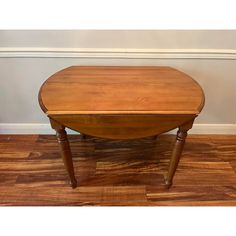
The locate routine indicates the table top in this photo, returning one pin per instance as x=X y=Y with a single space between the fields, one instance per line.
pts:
x=120 y=90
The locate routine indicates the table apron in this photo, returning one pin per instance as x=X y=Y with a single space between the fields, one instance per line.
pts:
x=122 y=126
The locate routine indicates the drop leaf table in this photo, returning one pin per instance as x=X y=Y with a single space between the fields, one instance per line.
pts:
x=121 y=102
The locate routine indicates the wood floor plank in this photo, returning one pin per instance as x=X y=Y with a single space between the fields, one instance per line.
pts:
x=44 y=195
x=116 y=172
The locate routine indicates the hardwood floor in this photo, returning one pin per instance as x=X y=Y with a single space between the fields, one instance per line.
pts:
x=117 y=173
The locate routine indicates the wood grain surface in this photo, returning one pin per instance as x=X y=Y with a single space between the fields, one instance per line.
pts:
x=120 y=90
x=122 y=126
x=117 y=173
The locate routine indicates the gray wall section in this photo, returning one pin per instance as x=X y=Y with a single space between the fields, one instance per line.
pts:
x=21 y=78
x=120 y=38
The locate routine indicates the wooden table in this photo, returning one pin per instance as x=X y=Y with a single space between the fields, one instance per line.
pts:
x=121 y=103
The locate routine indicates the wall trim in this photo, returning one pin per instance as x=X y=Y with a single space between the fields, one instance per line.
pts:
x=36 y=128
x=125 y=53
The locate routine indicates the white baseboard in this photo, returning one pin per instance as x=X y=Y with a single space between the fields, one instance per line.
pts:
x=213 y=129
x=36 y=128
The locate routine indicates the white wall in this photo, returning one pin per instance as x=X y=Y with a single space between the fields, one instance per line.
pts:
x=155 y=39
x=27 y=58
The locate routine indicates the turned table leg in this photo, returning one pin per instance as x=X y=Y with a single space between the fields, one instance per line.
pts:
x=65 y=152
x=176 y=153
